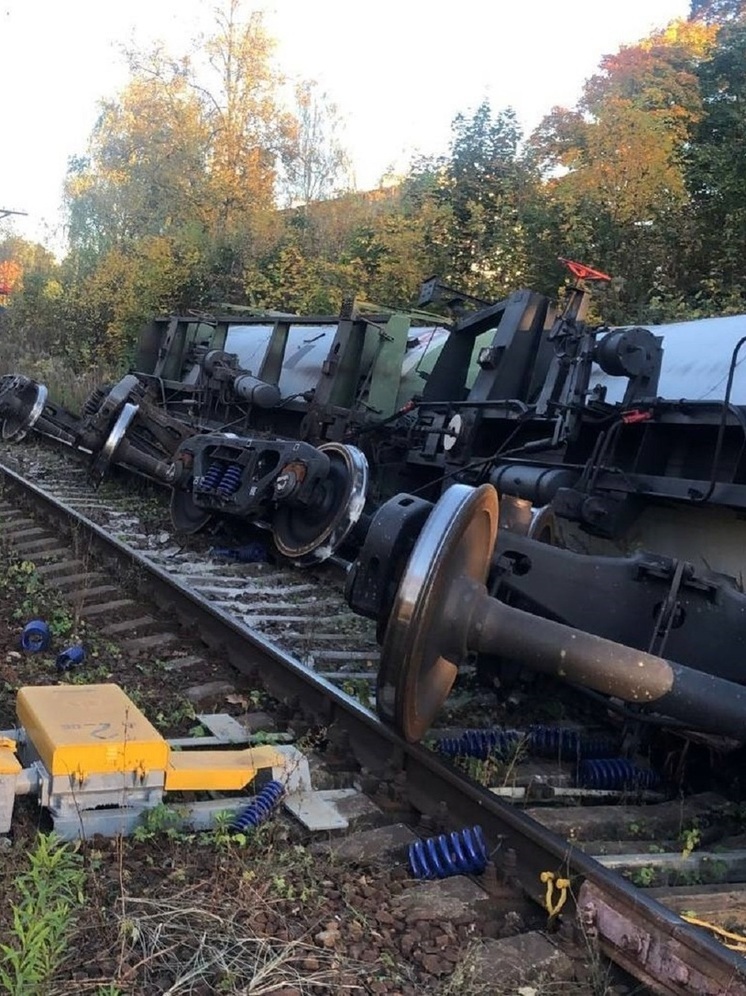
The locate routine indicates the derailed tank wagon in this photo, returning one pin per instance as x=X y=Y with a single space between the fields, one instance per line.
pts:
x=248 y=416
x=619 y=456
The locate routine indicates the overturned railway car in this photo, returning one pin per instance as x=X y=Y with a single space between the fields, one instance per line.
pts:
x=619 y=457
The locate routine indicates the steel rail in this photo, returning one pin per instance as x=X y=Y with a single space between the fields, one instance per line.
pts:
x=654 y=943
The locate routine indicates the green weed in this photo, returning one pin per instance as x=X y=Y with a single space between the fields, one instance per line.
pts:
x=644 y=877
x=691 y=839
x=161 y=820
x=43 y=916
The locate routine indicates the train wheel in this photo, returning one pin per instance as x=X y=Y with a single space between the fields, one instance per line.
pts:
x=187 y=518
x=544 y=527
x=308 y=535
x=106 y=454
x=22 y=401
x=415 y=677
x=518 y=515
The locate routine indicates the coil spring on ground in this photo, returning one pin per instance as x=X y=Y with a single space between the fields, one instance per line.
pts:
x=479 y=743
x=231 y=480
x=213 y=476
x=616 y=773
x=542 y=740
x=260 y=808
x=463 y=852
x=556 y=740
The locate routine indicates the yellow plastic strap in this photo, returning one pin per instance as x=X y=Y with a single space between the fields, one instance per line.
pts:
x=738 y=941
x=563 y=884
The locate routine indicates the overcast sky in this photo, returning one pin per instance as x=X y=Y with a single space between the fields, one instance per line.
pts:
x=399 y=70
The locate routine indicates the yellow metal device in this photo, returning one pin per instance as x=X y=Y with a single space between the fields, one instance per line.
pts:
x=89 y=729
x=9 y=763
x=218 y=770
x=95 y=730
x=97 y=765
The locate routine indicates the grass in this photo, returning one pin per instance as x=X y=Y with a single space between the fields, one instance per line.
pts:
x=21 y=586
x=46 y=896
x=67 y=385
x=195 y=947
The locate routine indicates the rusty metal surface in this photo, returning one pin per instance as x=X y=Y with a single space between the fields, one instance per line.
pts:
x=666 y=960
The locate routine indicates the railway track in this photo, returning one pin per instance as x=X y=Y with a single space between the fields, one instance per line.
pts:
x=300 y=637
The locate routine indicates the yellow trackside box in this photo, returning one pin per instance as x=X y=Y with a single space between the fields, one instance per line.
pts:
x=89 y=730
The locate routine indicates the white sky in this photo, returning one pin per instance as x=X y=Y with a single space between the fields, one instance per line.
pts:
x=399 y=71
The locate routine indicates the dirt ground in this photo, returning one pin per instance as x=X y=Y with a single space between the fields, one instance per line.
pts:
x=171 y=912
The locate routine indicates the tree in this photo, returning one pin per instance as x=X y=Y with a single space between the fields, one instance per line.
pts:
x=144 y=173
x=657 y=75
x=716 y=165
x=241 y=106
x=315 y=162
x=486 y=186
x=34 y=293
x=716 y=11
x=188 y=141
x=614 y=167
x=178 y=178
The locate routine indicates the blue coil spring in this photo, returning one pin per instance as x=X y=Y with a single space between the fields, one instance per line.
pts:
x=550 y=741
x=463 y=852
x=35 y=636
x=547 y=741
x=231 y=480
x=616 y=773
x=553 y=740
x=479 y=743
x=598 y=746
x=212 y=478
x=260 y=808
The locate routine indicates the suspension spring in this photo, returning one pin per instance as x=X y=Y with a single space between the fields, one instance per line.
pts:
x=479 y=743
x=551 y=741
x=231 y=480
x=544 y=741
x=260 y=808
x=616 y=773
x=463 y=852
x=212 y=478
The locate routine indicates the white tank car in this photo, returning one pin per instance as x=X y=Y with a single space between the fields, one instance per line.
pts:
x=308 y=346
x=696 y=362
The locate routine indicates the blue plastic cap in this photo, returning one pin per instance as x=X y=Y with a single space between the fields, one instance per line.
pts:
x=35 y=636
x=70 y=658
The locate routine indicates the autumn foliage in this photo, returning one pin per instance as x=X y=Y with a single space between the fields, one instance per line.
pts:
x=10 y=277
x=202 y=184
